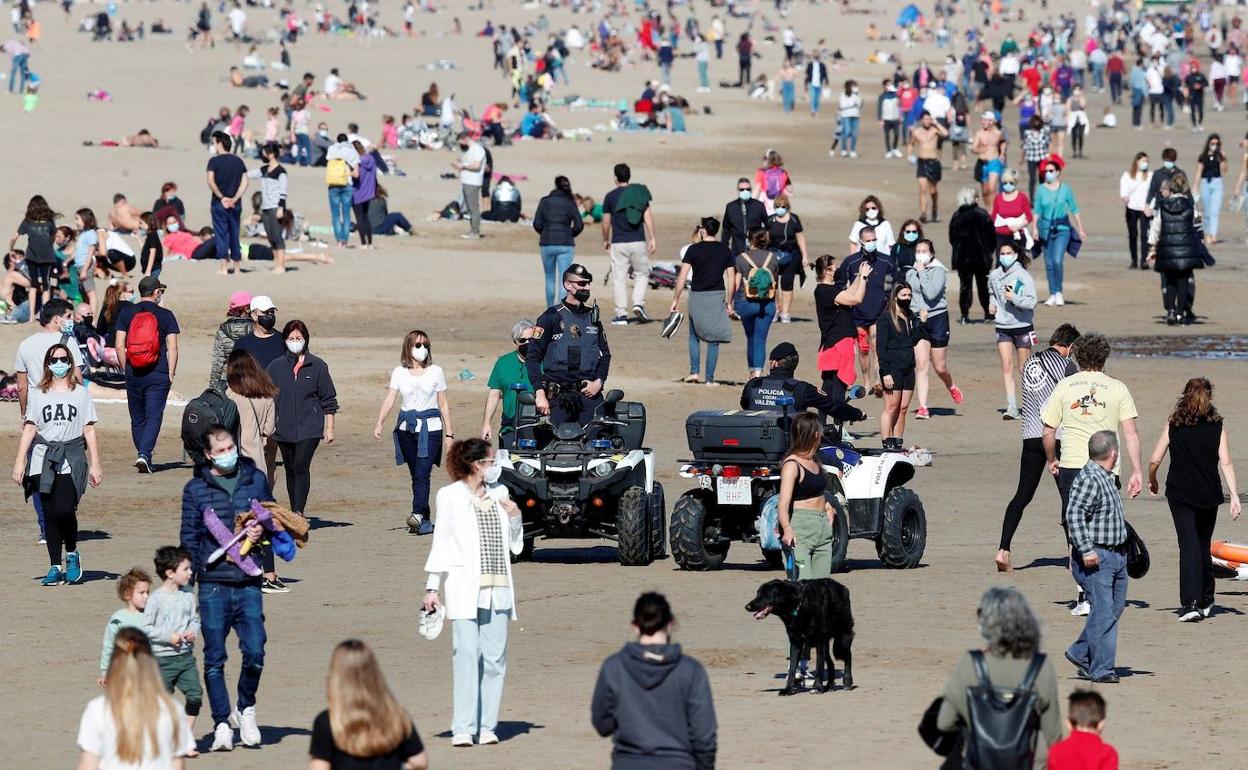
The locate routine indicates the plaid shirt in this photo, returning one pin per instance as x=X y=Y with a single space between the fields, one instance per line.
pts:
x=1094 y=510
x=1035 y=145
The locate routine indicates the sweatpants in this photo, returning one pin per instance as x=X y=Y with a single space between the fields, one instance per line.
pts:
x=1194 y=528
x=178 y=672
x=297 y=460
x=60 y=514
x=624 y=256
x=472 y=205
x=1030 y=470
x=968 y=282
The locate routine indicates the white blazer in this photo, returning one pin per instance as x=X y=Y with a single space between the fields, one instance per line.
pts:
x=454 y=561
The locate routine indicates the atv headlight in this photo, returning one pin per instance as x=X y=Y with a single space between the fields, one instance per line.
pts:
x=526 y=470
x=602 y=470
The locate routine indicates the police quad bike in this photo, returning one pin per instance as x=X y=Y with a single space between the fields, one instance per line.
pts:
x=592 y=481
x=736 y=463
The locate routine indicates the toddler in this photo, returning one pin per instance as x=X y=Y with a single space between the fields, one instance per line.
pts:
x=132 y=588
x=171 y=621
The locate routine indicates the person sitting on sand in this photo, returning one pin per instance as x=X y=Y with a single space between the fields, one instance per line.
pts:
x=181 y=244
x=238 y=80
x=123 y=217
x=337 y=88
x=142 y=139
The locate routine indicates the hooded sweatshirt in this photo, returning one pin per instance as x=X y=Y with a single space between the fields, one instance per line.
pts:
x=657 y=705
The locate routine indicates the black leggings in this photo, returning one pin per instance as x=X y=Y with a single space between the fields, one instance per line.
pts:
x=60 y=514
x=1178 y=290
x=892 y=134
x=967 y=282
x=1076 y=139
x=297 y=459
x=1137 y=236
x=1194 y=527
x=1030 y=470
x=362 y=225
x=1197 y=102
x=833 y=386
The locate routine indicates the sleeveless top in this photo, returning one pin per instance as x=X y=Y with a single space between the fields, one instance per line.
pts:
x=1193 y=477
x=808 y=484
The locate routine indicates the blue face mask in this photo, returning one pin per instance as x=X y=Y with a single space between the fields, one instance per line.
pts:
x=1169 y=164
x=1008 y=260
x=869 y=246
x=745 y=195
x=781 y=211
x=1050 y=176
x=910 y=236
x=1007 y=187
x=227 y=461
x=59 y=368
x=68 y=327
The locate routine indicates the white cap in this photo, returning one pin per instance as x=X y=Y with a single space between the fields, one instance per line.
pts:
x=989 y=115
x=262 y=304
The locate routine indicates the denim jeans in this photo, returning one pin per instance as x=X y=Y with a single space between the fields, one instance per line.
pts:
x=665 y=74
x=303 y=149
x=340 y=212
x=1106 y=587
x=225 y=606
x=225 y=226
x=478 y=665
x=146 y=396
x=704 y=80
x=19 y=72
x=816 y=93
x=391 y=221
x=756 y=318
x=421 y=468
x=555 y=260
x=695 y=355
x=1054 y=257
x=788 y=96
x=1211 y=204
x=849 y=134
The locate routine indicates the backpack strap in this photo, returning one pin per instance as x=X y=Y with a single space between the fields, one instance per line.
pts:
x=1033 y=671
x=981 y=669
x=747 y=258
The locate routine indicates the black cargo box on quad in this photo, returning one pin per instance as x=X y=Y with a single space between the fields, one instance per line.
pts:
x=738 y=435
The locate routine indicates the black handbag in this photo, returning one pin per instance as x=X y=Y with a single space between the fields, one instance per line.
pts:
x=945 y=744
x=1137 y=554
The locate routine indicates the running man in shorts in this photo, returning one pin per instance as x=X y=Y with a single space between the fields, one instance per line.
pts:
x=989 y=147
x=925 y=145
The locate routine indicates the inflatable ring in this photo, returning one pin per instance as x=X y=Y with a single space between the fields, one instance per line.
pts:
x=1231 y=552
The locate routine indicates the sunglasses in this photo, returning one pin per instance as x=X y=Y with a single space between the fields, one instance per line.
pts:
x=59 y=359
x=911 y=232
x=579 y=283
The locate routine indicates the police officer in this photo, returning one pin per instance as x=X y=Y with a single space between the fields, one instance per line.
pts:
x=568 y=356
x=762 y=392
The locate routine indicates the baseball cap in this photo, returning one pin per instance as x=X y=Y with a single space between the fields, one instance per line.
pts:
x=782 y=351
x=262 y=304
x=989 y=115
x=239 y=299
x=149 y=285
x=576 y=270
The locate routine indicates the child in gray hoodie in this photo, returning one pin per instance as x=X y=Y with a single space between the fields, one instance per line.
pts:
x=171 y=621
x=654 y=702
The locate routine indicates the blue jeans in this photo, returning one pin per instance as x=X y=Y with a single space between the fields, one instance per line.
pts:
x=303 y=149
x=421 y=468
x=1211 y=204
x=392 y=220
x=704 y=80
x=849 y=134
x=756 y=318
x=20 y=69
x=478 y=666
x=340 y=212
x=1054 y=257
x=1106 y=587
x=223 y=606
x=788 y=96
x=816 y=93
x=146 y=396
x=225 y=226
x=556 y=260
x=665 y=74
x=695 y=355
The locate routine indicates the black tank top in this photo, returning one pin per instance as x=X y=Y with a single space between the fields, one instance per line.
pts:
x=808 y=484
x=1193 y=477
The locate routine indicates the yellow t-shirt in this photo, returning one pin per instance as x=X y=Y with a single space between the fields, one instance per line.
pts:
x=1082 y=404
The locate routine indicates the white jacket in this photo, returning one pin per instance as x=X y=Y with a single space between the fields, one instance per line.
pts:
x=1135 y=189
x=454 y=561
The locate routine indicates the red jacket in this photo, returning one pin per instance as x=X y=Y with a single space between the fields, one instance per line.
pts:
x=1082 y=751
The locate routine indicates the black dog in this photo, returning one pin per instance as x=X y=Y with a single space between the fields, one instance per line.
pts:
x=815 y=613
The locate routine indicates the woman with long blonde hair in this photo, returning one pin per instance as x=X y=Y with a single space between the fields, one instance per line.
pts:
x=135 y=723
x=364 y=720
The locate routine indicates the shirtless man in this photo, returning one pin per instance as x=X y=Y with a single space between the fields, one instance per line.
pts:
x=142 y=139
x=123 y=217
x=925 y=145
x=989 y=147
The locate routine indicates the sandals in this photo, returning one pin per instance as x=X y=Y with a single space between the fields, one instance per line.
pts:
x=692 y=379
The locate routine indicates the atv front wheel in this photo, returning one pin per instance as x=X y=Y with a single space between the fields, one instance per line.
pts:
x=903 y=535
x=697 y=545
x=633 y=533
x=658 y=523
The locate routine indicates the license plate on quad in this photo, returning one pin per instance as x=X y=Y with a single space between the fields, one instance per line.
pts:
x=733 y=491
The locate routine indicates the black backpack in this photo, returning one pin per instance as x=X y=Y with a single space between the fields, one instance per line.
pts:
x=1004 y=724
x=212 y=407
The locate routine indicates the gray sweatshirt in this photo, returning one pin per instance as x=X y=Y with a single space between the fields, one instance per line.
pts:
x=1020 y=312
x=167 y=613
x=928 y=286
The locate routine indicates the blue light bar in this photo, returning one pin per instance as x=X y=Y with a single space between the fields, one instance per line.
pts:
x=527 y=443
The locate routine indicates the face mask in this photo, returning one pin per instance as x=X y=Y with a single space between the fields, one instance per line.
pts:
x=1213 y=148
x=295 y=346
x=463 y=148
x=744 y=195
x=1050 y=176
x=267 y=322
x=854 y=90
x=873 y=213
x=910 y=237
x=869 y=246
x=1008 y=260
x=59 y=368
x=323 y=134
x=173 y=228
x=492 y=474
x=581 y=295
x=904 y=304
x=523 y=348
x=922 y=257
x=1143 y=165
x=171 y=197
x=1007 y=187
x=227 y=461
x=68 y=327
x=420 y=353
x=781 y=211
x=1167 y=164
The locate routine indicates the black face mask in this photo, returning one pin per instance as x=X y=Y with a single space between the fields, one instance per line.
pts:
x=904 y=304
x=267 y=322
x=581 y=295
x=523 y=349
x=463 y=148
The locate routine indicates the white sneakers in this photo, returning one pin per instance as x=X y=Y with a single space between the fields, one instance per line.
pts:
x=248 y=730
x=487 y=738
x=1055 y=299
x=464 y=740
x=1082 y=609
x=223 y=738
x=461 y=740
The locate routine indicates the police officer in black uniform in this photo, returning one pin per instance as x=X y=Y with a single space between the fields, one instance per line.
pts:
x=761 y=392
x=568 y=356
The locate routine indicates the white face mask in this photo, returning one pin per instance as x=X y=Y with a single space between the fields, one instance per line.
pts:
x=492 y=474
x=922 y=257
x=295 y=346
x=420 y=353
x=873 y=213
x=172 y=227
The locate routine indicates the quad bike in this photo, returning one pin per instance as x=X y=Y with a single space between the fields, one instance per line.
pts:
x=737 y=456
x=592 y=481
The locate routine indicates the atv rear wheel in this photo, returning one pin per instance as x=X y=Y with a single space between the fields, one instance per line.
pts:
x=658 y=523
x=840 y=534
x=633 y=533
x=697 y=544
x=903 y=534
x=526 y=552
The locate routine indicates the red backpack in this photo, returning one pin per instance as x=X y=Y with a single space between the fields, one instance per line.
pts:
x=143 y=340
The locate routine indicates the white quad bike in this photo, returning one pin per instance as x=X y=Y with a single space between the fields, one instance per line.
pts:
x=737 y=456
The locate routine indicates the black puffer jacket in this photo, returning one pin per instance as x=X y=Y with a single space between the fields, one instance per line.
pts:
x=973 y=240
x=1178 y=244
x=558 y=220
